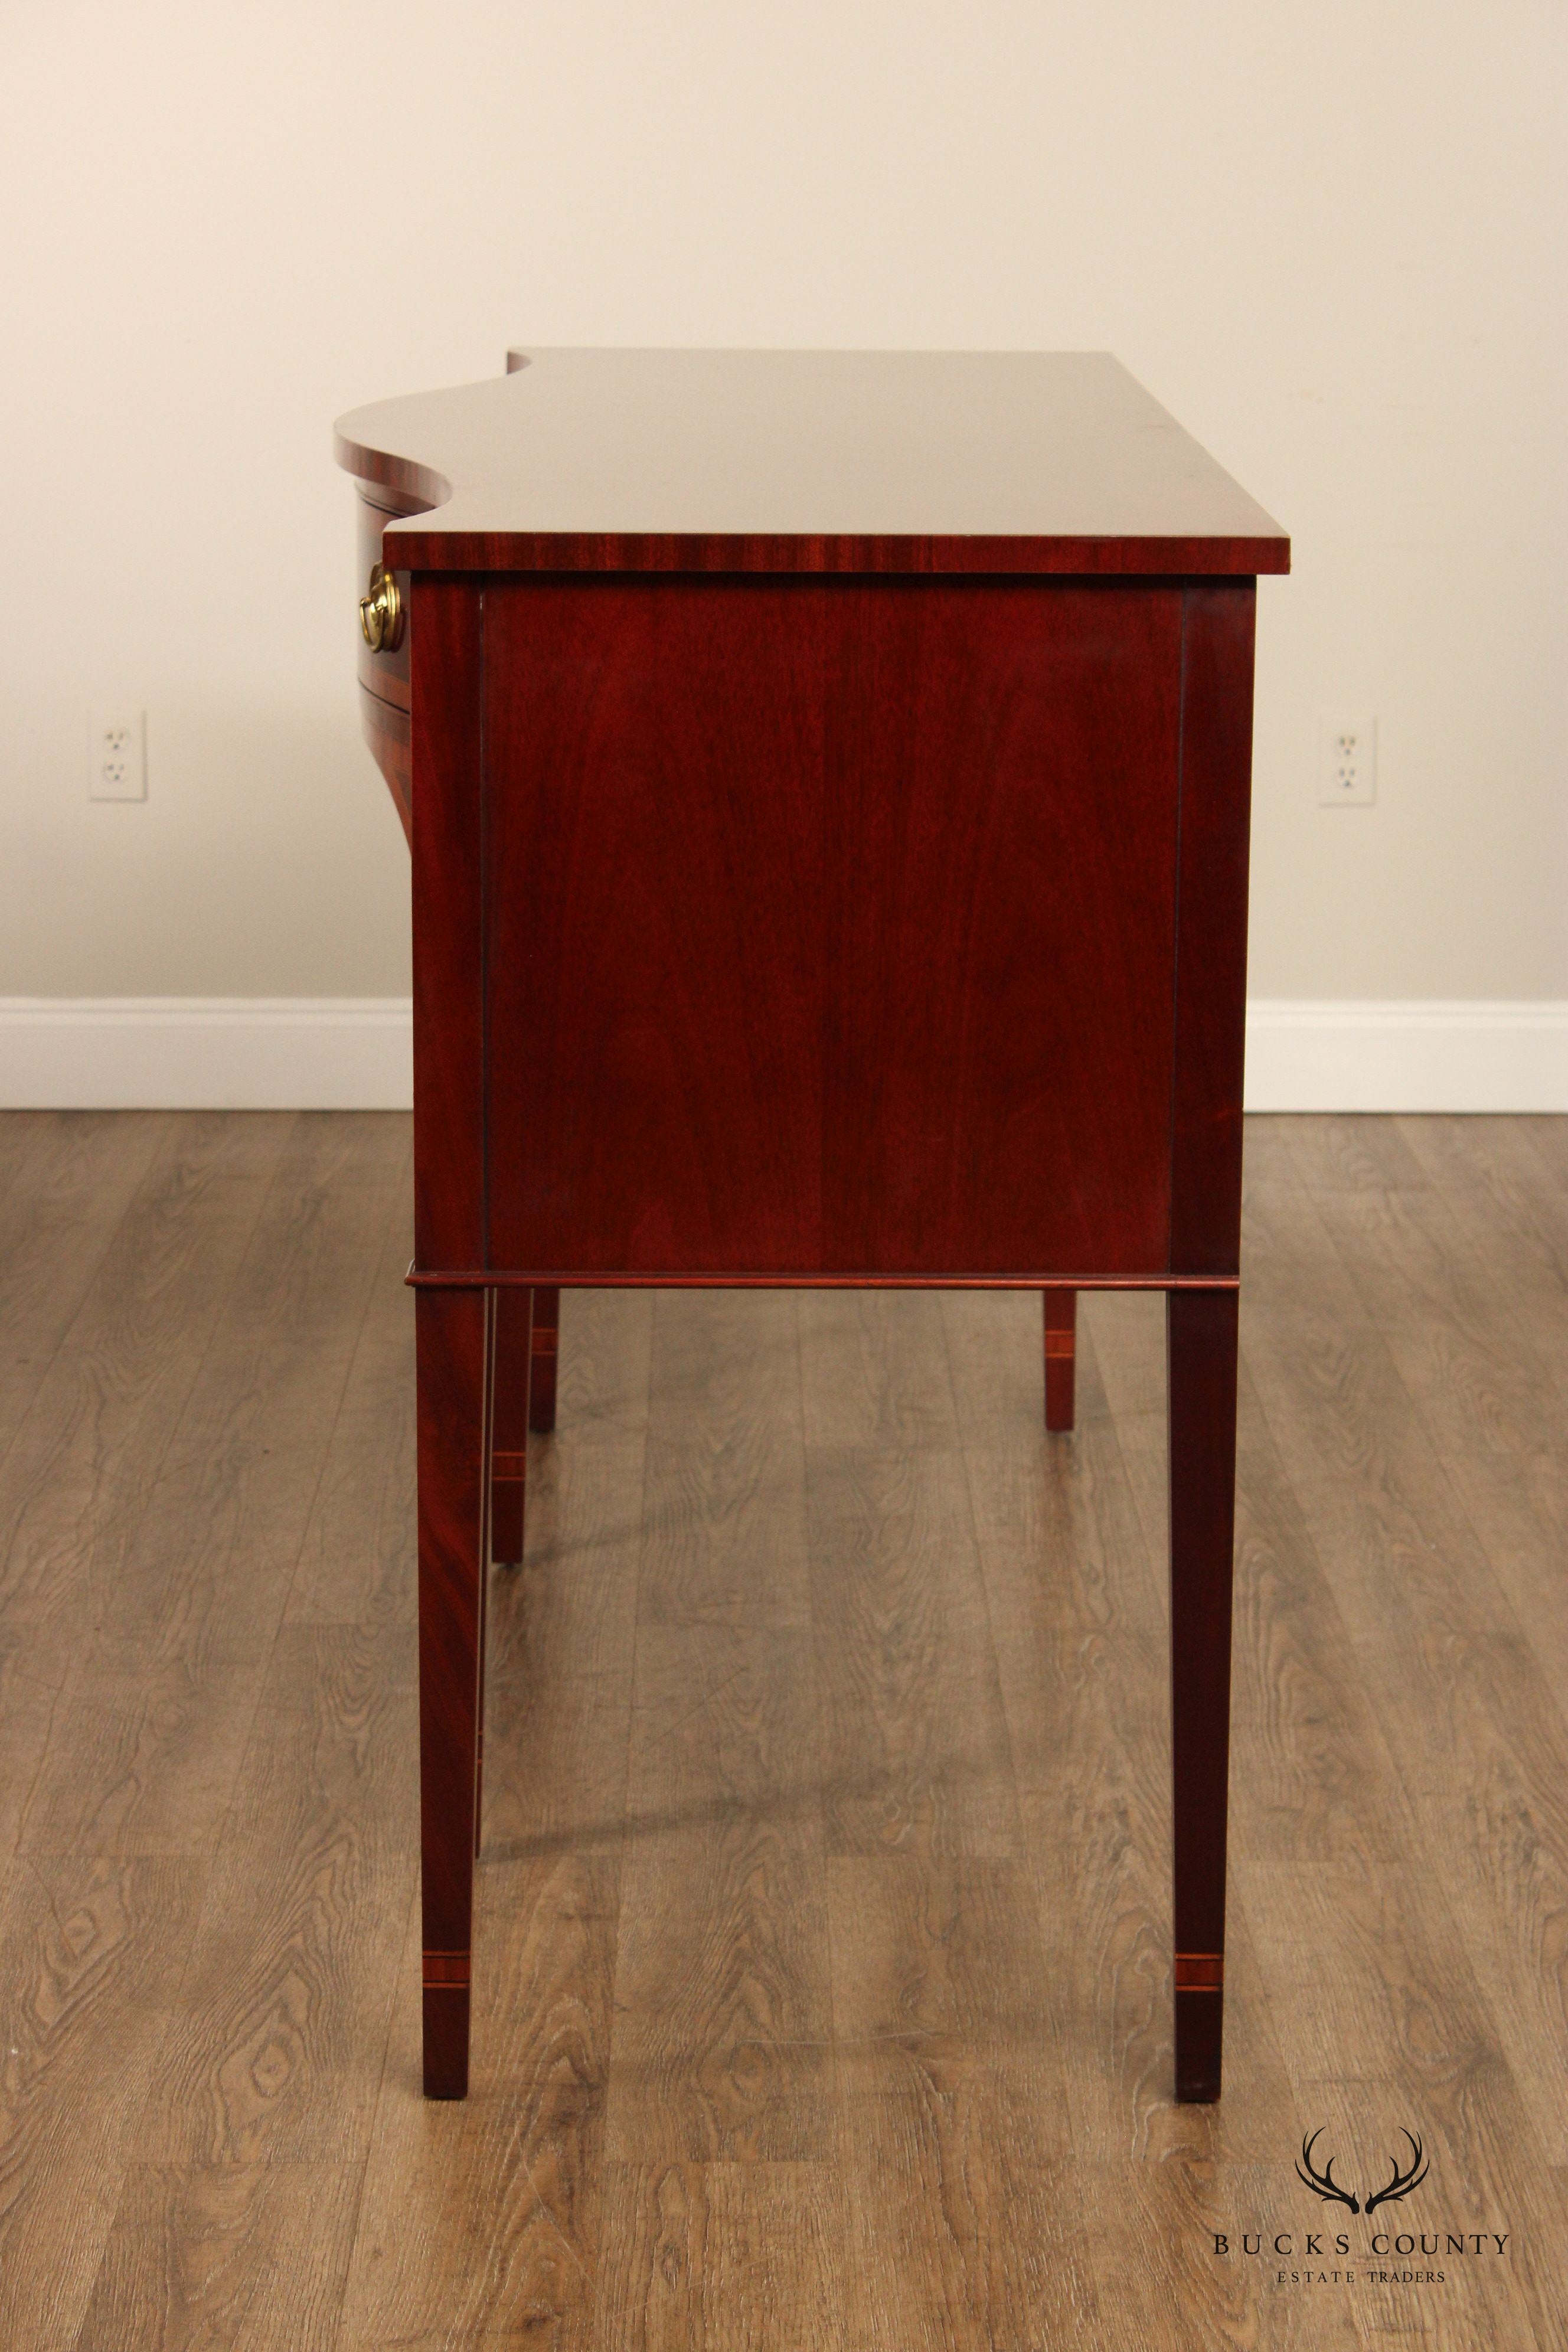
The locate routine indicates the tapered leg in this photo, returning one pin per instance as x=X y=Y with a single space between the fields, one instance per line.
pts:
x=546 y=1343
x=453 y=1339
x=508 y=1443
x=1201 y=1328
x=1061 y=1343
x=487 y=1553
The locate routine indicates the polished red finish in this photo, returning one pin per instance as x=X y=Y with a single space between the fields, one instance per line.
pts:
x=385 y=729
x=500 y=1277
x=802 y=1071
x=1211 y=962
x=545 y=1348
x=869 y=906
x=383 y=672
x=1061 y=1349
x=453 y=1340
x=1201 y=1327
x=448 y=997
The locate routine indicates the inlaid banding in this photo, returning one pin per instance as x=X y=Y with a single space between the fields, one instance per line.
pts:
x=446 y=1970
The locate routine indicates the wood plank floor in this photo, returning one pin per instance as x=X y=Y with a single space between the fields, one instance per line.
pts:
x=822 y=1968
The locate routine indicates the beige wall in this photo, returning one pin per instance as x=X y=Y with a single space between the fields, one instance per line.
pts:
x=1327 y=233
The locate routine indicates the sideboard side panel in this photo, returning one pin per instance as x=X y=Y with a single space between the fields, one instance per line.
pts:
x=831 y=927
x=446 y=630
x=654 y=877
x=1000 y=876
x=1211 y=926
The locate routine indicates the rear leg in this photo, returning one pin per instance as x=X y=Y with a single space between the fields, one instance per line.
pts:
x=1062 y=1345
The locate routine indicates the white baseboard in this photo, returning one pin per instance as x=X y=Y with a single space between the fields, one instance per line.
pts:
x=206 y=1052
x=354 y=1052
x=1428 y=1054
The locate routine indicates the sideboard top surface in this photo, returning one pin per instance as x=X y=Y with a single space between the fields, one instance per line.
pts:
x=1000 y=462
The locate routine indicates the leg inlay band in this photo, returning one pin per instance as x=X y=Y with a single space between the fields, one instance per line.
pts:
x=446 y=1971
x=1200 y=1972
x=511 y=1469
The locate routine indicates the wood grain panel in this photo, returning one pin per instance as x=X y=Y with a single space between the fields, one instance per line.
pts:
x=448 y=554
x=654 y=763
x=1004 y=760
x=388 y=733
x=689 y=786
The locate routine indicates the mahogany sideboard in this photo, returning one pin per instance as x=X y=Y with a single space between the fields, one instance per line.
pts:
x=828 y=780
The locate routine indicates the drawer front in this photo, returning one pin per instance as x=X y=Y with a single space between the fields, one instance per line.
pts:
x=385 y=673
x=830 y=926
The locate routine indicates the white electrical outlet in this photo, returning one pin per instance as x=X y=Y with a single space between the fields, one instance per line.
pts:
x=117 y=767
x=1347 y=763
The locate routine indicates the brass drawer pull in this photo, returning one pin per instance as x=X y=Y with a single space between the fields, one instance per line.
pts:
x=381 y=612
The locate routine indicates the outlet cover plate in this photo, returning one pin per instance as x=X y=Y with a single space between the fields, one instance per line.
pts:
x=117 y=755
x=1347 y=761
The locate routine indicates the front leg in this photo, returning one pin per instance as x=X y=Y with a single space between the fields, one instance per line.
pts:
x=453 y=1346
x=1201 y=1352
